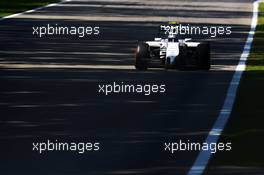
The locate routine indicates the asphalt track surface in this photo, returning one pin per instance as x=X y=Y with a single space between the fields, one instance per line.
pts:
x=49 y=87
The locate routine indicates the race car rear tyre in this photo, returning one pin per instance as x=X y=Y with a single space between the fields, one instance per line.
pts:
x=167 y=64
x=181 y=58
x=204 y=59
x=142 y=56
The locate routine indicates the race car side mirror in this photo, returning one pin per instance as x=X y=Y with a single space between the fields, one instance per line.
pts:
x=157 y=39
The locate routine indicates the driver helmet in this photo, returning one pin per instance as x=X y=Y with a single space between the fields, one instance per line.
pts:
x=171 y=36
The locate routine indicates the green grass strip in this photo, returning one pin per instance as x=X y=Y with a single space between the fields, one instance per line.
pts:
x=246 y=126
x=9 y=7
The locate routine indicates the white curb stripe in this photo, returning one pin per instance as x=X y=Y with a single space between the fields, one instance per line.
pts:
x=33 y=10
x=213 y=136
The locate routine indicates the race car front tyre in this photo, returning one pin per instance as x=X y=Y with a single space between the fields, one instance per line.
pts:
x=142 y=56
x=204 y=59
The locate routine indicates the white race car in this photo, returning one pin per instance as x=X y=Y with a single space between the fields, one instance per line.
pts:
x=173 y=52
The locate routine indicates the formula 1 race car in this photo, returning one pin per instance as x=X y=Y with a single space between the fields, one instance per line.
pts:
x=171 y=51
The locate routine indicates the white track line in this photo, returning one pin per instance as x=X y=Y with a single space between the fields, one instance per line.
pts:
x=33 y=10
x=213 y=136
